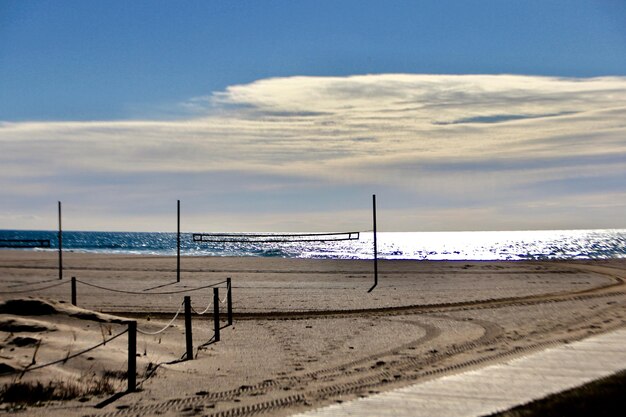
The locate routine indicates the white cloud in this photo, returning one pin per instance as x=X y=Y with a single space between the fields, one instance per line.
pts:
x=424 y=142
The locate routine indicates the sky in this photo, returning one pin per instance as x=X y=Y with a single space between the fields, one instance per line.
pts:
x=289 y=115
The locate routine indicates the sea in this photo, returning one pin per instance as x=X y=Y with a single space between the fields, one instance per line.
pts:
x=490 y=245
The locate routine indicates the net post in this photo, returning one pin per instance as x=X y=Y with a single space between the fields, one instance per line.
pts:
x=132 y=356
x=375 y=244
x=73 y=291
x=60 y=236
x=188 y=336
x=375 y=240
x=178 y=243
x=229 y=298
x=216 y=313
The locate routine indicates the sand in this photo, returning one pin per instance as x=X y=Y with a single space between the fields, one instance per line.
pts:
x=305 y=333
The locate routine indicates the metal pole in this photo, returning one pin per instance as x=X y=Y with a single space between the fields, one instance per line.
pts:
x=60 y=245
x=73 y=291
x=375 y=244
x=188 y=336
x=229 y=298
x=216 y=313
x=178 y=245
x=132 y=356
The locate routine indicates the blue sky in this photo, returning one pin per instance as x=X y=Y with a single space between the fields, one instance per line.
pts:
x=83 y=60
x=228 y=106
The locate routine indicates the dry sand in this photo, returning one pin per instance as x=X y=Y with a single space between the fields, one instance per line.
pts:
x=306 y=332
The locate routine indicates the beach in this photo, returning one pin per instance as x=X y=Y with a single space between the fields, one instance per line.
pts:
x=306 y=332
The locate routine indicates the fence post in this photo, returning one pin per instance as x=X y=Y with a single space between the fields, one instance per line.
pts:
x=216 y=313
x=73 y=291
x=188 y=336
x=132 y=356
x=229 y=298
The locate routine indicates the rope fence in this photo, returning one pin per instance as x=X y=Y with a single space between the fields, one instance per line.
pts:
x=166 y=326
x=132 y=329
x=26 y=284
x=132 y=357
x=72 y=356
x=74 y=281
x=34 y=289
x=150 y=293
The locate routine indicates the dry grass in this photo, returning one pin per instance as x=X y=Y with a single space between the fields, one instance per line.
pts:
x=36 y=392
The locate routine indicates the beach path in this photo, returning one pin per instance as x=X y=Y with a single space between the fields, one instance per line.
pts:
x=497 y=387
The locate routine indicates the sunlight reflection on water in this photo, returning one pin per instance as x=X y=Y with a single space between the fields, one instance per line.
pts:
x=515 y=245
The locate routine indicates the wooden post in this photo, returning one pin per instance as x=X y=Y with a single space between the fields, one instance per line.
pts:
x=188 y=336
x=229 y=298
x=375 y=244
x=178 y=244
x=60 y=245
x=73 y=291
x=132 y=356
x=216 y=313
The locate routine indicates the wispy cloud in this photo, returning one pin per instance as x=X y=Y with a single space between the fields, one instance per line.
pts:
x=504 y=147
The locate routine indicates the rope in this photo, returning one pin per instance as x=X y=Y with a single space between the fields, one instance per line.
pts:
x=82 y=352
x=228 y=289
x=166 y=326
x=26 y=284
x=35 y=289
x=150 y=293
x=205 y=310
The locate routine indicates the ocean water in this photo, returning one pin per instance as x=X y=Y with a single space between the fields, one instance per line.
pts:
x=514 y=245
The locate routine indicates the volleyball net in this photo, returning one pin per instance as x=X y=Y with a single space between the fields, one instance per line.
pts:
x=24 y=243
x=274 y=237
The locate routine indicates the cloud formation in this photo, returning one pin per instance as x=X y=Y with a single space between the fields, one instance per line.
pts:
x=514 y=151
